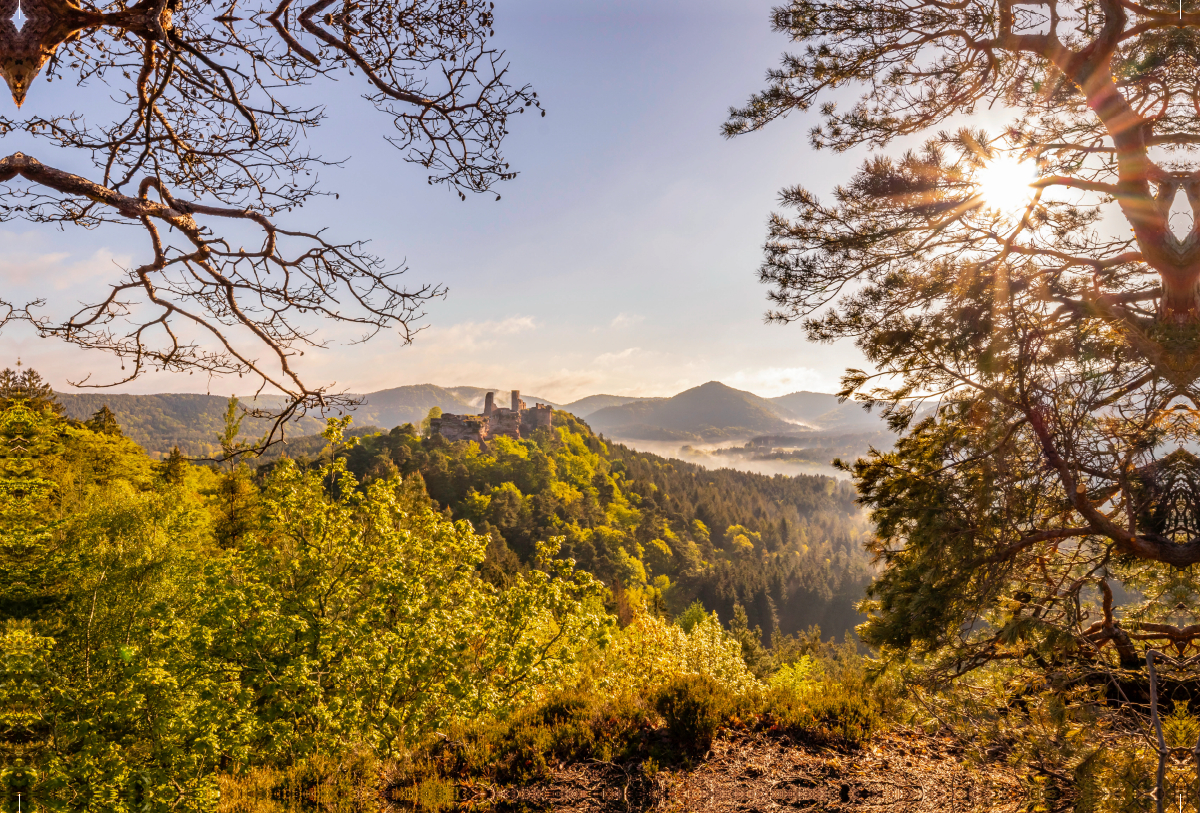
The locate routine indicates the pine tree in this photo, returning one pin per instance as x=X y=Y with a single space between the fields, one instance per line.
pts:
x=104 y=422
x=1036 y=341
x=174 y=468
x=28 y=387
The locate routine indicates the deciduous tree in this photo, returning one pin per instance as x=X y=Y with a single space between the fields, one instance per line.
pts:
x=207 y=154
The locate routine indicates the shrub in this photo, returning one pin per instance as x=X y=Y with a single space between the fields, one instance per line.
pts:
x=799 y=675
x=650 y=653
x=694 y=708
x=824 y=713
x=568 y=727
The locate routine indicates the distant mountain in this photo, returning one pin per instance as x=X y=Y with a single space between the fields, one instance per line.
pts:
x=192 y=421
x=400 y=405
x=158 y=422
x=805 y=406
x=593 y=403
x=712 y=411
x=822 y=411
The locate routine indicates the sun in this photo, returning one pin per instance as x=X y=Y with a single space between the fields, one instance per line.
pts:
x=1005 y=182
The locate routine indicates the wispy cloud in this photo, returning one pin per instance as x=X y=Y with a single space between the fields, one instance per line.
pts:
x=469 y=336
x=608 y=359
x=626 y=320
x=567 y=385
x=33 y=259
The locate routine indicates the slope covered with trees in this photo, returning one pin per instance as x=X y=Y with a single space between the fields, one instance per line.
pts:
x=787 y=549
x=163 y=623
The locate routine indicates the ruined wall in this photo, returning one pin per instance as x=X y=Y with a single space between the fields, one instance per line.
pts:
x=516 y=423
x=505 y=422
x=537 y=418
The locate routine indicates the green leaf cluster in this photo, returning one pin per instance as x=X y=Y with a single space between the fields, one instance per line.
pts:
x=140 y=654
x=660 y=533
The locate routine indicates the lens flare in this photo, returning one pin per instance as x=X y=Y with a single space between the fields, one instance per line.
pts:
x=1005 y=182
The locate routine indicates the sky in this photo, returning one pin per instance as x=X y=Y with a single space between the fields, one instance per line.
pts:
x=621 y=260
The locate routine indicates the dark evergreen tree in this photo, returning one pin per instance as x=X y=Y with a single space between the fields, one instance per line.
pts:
x=28 y=387
x=104 y=422
x=174 y=468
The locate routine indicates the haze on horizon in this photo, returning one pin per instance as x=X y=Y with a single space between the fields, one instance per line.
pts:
x=622 y=260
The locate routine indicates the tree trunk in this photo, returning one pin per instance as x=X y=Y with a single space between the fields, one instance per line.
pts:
x=1180 y=295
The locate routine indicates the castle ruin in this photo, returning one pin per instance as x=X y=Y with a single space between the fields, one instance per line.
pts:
x=517 y=422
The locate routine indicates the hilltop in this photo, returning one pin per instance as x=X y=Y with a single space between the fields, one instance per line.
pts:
x=192 y=421
x=712 y=411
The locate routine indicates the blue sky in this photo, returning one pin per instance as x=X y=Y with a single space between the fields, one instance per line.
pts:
x=621 y=260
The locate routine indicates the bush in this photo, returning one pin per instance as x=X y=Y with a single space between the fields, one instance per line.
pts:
x=651 y=653
x=824 y=713
x=568 y=727
x=798 y=675
x=694 y=707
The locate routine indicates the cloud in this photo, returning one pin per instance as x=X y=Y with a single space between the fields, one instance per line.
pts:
x=33 y=259
x=513 y=324
x=626 y=319
x=566 y=385
x=609 y=359
x=471 y=336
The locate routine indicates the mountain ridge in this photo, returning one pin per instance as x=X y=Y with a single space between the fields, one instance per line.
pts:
x=710 y=412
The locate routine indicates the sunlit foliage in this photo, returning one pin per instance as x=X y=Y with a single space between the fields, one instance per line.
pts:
x=139 y=657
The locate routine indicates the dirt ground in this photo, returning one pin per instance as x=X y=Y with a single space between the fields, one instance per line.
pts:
x=905 y=773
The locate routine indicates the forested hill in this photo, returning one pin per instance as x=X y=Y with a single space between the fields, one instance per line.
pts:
x=711 y=411
x=193 y=421
x=190 y=421
x=788 y=549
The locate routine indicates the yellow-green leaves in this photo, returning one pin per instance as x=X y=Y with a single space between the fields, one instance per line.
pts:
x=360 y=619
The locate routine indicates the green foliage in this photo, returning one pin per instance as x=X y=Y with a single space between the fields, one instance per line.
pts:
x=362 y=619
x=27 y=387
x=631 y=518
x=566 y=727
x=1181 y=729
x=235 y=507
x=649 y=653
x=427 y=424
x=163 y=622
x=797 y=676
x=144 y=645
x=847 y=717
x=665 y=723
x=751 y=642
x=693 y=707
x=104 y=422
x=693 y=615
